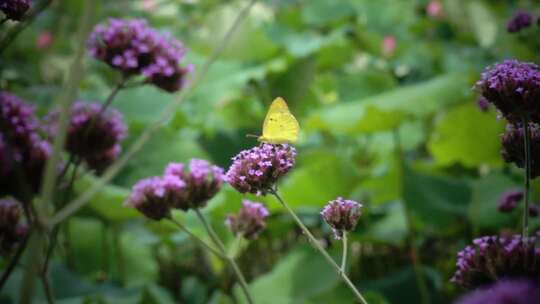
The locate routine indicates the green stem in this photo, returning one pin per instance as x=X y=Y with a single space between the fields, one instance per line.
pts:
x=527 y=146
x=344 y=256
x=215 y=238
x=47 y=289
x=197 y=239
x=319 y=247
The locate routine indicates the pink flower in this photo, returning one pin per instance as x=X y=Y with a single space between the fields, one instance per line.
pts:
x=434 y=9
x=44 y=40
x=389 y=46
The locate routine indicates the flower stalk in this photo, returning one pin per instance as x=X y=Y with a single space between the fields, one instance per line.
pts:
x=217 y=241
x=318 y=246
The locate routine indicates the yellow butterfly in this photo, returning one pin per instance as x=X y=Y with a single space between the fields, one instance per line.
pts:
x=280 y=126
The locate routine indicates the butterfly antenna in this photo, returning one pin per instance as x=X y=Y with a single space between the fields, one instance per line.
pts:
x=252 y=135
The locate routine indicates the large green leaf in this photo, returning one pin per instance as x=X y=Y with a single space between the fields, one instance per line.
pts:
x=419 y=100
x=468 y=137
x=319 y=176
x=293 y=279
x=483 y=211
x=108 y=203
x=437 y=201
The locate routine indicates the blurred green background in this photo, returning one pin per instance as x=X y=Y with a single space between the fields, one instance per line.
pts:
x=382 y=91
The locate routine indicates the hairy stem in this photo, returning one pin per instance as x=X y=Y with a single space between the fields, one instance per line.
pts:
x=147 y=134
x=197 y=239
x=344 y=255
x=215 y=238
x=319 y=247
x=527 y=146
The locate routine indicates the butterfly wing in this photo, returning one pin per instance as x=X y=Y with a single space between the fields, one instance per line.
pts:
x=280 y=126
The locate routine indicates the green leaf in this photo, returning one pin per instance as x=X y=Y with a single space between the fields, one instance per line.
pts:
x=378 y=121
x=392 y=228
x=483 y=211
x=292 y=279
x=468 y=137
x=164 y=146
x=319 y=176
x=108 y=203
x=483 y=23
x=322 y=12
x=419 y=100
x=437 y=201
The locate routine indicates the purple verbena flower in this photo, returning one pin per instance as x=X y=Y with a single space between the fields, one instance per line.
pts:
x=342 y=215
x=249 y=221
x=514 y=88
x=100 y=162
x=482 y=104
x=513 y=146
x=132 y=47
x=257 y=170
x=202 y=179
x=505 y=292
x=13 y=228
x=154 y=196
x=492 y=258
x=509 y=200
x=24 y=152
x=519 y=21
x=18 y=123
x=91 y=132
x=14 y=9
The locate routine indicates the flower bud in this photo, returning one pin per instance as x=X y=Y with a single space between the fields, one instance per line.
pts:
x=249 y=221
x=509 y=200
x=203 y=181
x=14 y=9
x=519 y=21
x=505 y=292
x=12 y=227
x=342 y=215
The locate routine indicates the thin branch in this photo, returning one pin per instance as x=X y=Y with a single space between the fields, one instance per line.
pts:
x=14 y=261
x=47 y=289
x=37 y=240
x=197 y=239
x=112 y=171
x=215 y=238
x=319 y=247
x=36 y=9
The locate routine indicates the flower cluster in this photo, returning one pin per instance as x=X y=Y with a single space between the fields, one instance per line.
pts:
x=134 y=48
x=342 y=215
x=202 y=180
x=519 y=21
x=505 y=292
x=256 y=170
x=177 y=188
x=153 y=196
x=23 y=153
x=12 y=228
x=250 y=220
x=513 y=148
x=93 y=135
x=14 y=9
x=509 y=200
x=492 y=258
x=514 y=88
